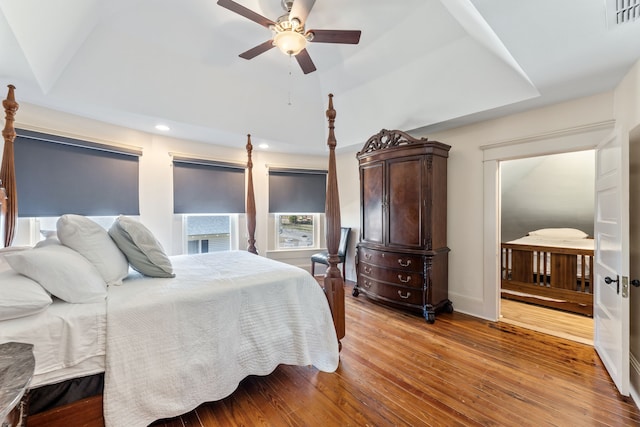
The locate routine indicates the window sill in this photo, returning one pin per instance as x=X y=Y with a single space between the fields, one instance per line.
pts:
x=299 y=249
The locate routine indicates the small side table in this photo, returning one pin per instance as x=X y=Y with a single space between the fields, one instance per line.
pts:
x=17 y=364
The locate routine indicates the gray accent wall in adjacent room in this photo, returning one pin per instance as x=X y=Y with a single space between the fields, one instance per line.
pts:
x=547 y=192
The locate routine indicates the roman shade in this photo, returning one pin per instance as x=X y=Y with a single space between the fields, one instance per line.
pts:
x=57 y=175
x=297 y=190
x=204 y=186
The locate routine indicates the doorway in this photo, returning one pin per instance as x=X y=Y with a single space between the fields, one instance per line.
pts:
x=542 y=197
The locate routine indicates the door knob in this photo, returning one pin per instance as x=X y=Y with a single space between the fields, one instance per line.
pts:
x=635 y=282
x=608 y=280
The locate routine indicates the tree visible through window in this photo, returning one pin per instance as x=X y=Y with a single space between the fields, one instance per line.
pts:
x=295 y=231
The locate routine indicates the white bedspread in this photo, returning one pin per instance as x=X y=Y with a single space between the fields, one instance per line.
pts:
x=173 y=344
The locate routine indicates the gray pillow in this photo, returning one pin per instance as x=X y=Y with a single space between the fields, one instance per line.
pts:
x=138 y=244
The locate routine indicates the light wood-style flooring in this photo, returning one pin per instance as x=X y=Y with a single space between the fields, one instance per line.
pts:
x=547 y=320
x=396 y=369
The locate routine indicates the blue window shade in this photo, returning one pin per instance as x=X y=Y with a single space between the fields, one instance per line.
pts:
x=297 y=190
x=202 y=186
x=57 y=175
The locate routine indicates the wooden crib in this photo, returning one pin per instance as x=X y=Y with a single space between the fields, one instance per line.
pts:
x=556 y=277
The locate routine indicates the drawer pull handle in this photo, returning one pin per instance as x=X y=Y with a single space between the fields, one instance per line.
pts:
x=407 y=280
x=402 y=263
x=404 y=296
x=367 y=269
x=367 y=284
x=367 y=256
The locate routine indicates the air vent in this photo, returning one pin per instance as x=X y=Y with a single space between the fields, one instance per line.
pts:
x=622 y=11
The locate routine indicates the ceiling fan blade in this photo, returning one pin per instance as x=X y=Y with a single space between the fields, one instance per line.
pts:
x=253 y=52
x=305 y=62
x=247 y=13
x=336 y=36
x=300 y=9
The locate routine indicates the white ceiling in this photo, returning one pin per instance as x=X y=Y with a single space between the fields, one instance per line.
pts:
x=420 y=64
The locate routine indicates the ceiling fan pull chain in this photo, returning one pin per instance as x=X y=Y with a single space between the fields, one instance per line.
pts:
x=290 y=78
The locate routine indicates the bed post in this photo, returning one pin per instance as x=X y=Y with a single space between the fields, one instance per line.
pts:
x=251 y=201
x=8 y=170
x=333 y=283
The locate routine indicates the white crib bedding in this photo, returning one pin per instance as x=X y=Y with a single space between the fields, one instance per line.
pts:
x=554 y=242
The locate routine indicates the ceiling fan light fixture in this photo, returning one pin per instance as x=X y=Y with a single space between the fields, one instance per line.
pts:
x=290 y=42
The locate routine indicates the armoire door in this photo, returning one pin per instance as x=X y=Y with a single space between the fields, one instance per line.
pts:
x=372 y=179
x=404 y=189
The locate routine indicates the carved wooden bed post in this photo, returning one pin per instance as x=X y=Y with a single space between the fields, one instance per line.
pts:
x=251 y=201
x=333 y=283
x=8 y=170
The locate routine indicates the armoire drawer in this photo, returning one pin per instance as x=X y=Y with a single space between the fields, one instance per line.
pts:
x=393 y=276
x=391 y=259
x=388 y=292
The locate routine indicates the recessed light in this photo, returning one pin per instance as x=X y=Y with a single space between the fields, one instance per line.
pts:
x=163 y=128
x=263 y=146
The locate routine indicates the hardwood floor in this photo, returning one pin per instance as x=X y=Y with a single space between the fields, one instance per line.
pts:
x=547 y=320
x=396 y=369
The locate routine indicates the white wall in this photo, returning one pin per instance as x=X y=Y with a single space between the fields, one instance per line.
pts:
x=555 y=191
x=349 y=190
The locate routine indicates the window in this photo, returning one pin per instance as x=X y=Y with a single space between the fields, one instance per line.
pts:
x=209 y=196
x=296 y=201
x=295 y=231
x=208 y=233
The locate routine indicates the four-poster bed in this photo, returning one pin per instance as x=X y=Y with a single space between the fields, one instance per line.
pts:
x=290 y=323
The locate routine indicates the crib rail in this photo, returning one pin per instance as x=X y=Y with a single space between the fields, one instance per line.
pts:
x=549 y=276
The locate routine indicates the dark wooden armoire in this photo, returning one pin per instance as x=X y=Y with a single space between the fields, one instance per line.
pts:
x=402 y=256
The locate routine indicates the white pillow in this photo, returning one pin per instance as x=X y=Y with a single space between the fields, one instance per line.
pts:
x=20 y=296
x=48 y=241
x=559 y=233
x=93 y=242
x=144 y=252
x=61 y=271
x=9 y=250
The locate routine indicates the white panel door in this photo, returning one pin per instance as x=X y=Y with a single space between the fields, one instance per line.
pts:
x=611 y=265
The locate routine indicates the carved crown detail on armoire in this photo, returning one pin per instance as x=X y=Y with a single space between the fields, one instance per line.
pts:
x=402 y=256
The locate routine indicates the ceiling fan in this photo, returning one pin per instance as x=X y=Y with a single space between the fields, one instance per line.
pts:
x=289 y=33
